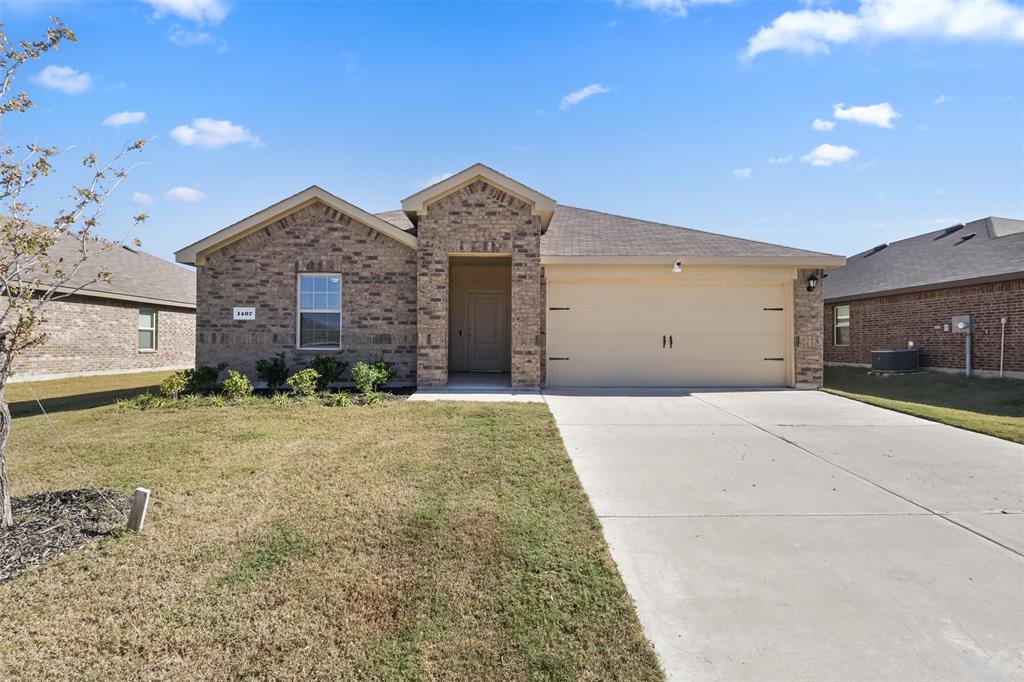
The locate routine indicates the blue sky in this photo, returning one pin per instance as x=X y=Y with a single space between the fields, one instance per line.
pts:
x=698 y=114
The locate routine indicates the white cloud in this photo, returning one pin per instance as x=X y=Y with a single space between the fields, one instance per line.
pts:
x=185 y=38
x=780 y=160
x=822 y=125
x=828 y=155
x=124 y=118
x=436 y=179
x=943 y=99
x=184 y=195
x=208 y=133
x=671 y=8
x=142 y=199
x=936 y=221
x=64 y=78
x=815 y=31
x=574 y=98
x=881 y=115
x=199 y=11
x=743 y=173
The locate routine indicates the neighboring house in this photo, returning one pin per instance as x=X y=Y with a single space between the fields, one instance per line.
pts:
x=909 y=291
x=480 y=273
x=143 y=319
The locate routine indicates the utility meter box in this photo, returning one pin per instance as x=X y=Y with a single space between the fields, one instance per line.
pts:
x=963 y=324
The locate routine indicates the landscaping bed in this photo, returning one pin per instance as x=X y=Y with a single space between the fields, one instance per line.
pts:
x=49 y=525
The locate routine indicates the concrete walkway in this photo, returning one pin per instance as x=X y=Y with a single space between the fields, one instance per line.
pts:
x=781 y=535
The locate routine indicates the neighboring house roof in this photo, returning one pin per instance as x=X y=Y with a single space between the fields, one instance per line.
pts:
x=195 y=253
x=988 y=249
x=134 y=274
x=573 y=235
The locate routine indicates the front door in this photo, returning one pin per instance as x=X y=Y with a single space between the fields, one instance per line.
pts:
x=485 y=343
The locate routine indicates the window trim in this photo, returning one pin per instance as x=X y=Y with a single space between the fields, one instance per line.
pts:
x=299 y=310
x=837 y=325
x=154 y=328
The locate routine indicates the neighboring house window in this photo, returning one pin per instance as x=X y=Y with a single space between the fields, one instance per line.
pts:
x=147 y=329
x=841 y=337
x=319 y=311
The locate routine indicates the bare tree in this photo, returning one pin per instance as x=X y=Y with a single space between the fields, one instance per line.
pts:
x=30 y=277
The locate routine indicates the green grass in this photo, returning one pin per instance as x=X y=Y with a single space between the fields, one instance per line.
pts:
x=991 y=406
x=404 y=542
x=79 y=393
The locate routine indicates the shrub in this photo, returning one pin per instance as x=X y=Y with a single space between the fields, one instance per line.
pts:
x=144 y=402
x=329 y=368
x=374 y=398
x=273 y=371
x=304 y=383
x=174 y=385
x=237 y=386
x=371 y=376
x=203 y=379
x=341 y=399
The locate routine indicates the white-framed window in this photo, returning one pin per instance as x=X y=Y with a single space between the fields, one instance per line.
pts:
x=319 y=310
x=841 y=325
x=147 y=329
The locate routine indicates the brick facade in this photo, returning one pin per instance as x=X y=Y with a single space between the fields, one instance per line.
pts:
x=807 y=339
x=378 y=291
x=87 y=335
x=479 y=218
x=891 y=321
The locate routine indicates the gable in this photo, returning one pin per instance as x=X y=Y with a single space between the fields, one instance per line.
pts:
x=540 y=205
x=195 y=254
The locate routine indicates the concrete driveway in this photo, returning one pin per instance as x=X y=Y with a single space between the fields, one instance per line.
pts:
x=780 y=535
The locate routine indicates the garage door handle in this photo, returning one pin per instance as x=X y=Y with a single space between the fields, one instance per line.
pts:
x=670 y=341
x=776 y=359
x=663 y=341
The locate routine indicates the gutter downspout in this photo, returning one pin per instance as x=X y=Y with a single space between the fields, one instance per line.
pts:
x=1002 y=344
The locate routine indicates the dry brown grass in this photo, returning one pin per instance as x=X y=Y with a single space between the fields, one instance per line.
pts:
x=411 y=541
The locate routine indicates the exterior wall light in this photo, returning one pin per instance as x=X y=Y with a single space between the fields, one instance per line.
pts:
x=812 y=283
x=677 y=266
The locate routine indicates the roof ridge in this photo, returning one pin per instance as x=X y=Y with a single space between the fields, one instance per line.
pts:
x=693 y=229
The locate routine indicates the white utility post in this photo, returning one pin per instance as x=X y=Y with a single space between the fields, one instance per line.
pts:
x=140 y=503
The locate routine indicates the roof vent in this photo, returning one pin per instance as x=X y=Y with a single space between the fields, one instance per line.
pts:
x=966 y=237
x=952 y=229
x=875 y=250
x=128 y=248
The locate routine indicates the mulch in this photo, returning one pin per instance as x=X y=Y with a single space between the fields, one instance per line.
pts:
x=51 y=524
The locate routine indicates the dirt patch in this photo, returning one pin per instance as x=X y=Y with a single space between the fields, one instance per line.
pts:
x=51 y=524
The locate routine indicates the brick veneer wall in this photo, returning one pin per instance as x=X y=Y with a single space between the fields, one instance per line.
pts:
x=892 y=321
x=807 y=335
x=479 y=218
x=378 y=291
x=86 y=335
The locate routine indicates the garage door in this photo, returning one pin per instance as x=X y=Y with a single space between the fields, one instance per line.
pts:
x=667 y=333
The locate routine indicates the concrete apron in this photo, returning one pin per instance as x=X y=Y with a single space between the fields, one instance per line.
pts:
x=799 y=535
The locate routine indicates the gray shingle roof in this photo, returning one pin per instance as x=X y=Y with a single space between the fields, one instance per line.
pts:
x=581 y=232
x=996 y=251
x=135 y=275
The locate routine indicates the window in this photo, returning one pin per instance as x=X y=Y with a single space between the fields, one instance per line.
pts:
x=147 y=329
x=841 y=326
x=319 y=311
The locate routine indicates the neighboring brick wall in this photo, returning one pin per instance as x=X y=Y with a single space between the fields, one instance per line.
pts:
x=378 y=291
x=479 y=218
x=807 y=339
x=86 y=335
x=892 y=321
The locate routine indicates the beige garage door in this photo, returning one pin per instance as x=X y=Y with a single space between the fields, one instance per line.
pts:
x=667 y=333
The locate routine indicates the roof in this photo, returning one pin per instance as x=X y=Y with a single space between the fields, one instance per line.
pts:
x=982 y=250
x=196 y=252
x=416 y=204
x=579 y=232
x=135 y=275
x=573 y=235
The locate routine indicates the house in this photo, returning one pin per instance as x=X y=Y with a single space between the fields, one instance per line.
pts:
x=908 y=292
x=480 y=273
x=142 y=320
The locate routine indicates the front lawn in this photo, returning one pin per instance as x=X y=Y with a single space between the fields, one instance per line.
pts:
x=991 y=406
x=79 y=392
x=405 y=541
